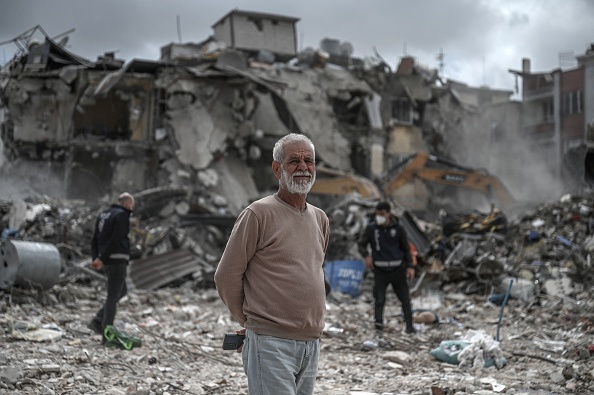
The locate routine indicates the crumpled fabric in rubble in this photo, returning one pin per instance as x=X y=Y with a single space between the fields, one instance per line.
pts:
x=483 y=351
x=24 y=330
x=476 y=349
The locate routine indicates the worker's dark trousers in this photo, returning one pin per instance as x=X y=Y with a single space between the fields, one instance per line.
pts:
x=397 y=278
x=116 y=271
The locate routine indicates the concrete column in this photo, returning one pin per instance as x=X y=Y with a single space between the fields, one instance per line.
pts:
x=557 y=120
x=377 y=159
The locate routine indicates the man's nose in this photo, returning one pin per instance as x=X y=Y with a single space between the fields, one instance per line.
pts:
x=302 y=165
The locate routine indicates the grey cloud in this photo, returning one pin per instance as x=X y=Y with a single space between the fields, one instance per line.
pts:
x=468 y=31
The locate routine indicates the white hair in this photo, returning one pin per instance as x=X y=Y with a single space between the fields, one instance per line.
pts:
x=278 y=150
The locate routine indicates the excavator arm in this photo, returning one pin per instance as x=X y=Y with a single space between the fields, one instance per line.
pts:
x=429 y=168
x=335 y=182
x=420 y=165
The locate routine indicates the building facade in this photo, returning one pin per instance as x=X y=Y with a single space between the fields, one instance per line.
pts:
x=255 y=31
x=558 y=110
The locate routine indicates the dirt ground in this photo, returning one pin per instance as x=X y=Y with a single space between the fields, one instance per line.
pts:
x=545 y=345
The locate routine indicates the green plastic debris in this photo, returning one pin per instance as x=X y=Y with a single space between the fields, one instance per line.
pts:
x=117 y=338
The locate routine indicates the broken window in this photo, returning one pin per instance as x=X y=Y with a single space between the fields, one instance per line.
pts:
x=548 y=110
x=576 y=103
x=257 y=22
x=351 y=111
x=572 y=102
x=107 y=118
x=38 y=57
x=402 y=110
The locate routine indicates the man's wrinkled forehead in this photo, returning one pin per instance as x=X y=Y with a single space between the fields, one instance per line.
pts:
x=298 y=150
x=300 y=155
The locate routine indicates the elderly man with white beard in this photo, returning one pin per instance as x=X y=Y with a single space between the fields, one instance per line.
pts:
x=271 y=278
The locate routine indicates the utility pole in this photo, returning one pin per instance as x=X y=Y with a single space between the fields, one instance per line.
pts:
x=179 y=36
x=440 y=58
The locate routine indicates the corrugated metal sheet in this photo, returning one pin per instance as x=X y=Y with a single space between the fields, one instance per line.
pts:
x=159 y=270
x=415 y=234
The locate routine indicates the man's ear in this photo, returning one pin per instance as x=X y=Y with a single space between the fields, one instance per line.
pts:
x=276 y=169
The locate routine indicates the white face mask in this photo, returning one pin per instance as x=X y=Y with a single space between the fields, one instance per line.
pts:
x=380 y=219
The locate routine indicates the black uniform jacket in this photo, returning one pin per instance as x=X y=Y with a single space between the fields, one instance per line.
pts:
x=110 y=240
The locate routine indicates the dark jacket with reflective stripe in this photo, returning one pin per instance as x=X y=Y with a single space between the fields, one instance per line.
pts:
x=110 y=240
x=388 y=242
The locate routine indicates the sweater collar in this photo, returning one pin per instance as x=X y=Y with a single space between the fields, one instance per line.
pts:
x=281 y=201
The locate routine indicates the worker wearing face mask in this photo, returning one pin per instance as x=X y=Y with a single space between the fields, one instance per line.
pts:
x=386 y=250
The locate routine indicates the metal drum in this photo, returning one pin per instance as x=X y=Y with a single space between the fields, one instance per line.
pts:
x=29 y=263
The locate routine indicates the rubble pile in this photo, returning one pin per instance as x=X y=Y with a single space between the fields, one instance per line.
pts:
x=156 y=230
x=182 y=331
x=544 y=332
x=546 y=249
x=190 y=135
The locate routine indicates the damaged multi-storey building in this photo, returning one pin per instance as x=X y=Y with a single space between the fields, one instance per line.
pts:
x=198 y=124
x=558 y=117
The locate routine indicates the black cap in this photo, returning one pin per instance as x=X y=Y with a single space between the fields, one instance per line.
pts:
x=383 y=206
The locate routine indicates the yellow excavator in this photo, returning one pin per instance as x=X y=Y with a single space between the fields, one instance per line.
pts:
x=420 y=165
x=336 y=182
x=430 y=168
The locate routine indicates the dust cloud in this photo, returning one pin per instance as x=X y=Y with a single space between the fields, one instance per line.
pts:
x=497 y=145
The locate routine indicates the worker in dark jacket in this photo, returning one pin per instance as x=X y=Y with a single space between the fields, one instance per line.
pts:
x=390 y=260
x=111 y=252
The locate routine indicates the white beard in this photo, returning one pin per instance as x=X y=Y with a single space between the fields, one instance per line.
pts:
x=300 y=187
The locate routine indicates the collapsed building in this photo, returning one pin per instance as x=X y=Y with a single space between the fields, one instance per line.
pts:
x=203 y=117
x=191 y=135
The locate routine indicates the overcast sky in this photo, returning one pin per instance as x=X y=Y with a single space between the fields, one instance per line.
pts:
x=480 y=39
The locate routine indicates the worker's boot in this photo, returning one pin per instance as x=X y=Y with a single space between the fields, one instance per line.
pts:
x=95 y=327
x=410 y=328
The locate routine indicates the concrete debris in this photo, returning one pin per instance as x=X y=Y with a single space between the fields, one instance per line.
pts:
x=182 y=330
x=191 y=136
x=78 y=129
x=179 y=318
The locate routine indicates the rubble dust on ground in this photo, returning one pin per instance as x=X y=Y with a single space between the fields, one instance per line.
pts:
x=545 y=330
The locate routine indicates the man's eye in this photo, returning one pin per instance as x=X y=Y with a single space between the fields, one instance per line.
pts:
x=297 y=161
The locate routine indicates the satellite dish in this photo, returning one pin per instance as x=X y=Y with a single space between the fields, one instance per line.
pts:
x=63 y=41
x=306 y=56
x=330 y=45
x=34 y=43
x=346 y=48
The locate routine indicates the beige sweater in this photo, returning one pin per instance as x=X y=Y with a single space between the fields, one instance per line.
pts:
x=270 y=275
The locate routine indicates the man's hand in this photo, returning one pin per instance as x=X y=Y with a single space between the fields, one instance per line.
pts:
x=240 y=332
x=369 y=262
x=97 y=264
x=410 y=273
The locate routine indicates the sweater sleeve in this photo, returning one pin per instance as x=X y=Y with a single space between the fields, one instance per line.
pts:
x=240 y=249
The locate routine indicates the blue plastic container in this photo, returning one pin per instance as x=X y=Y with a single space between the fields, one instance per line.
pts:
x=345 y=276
